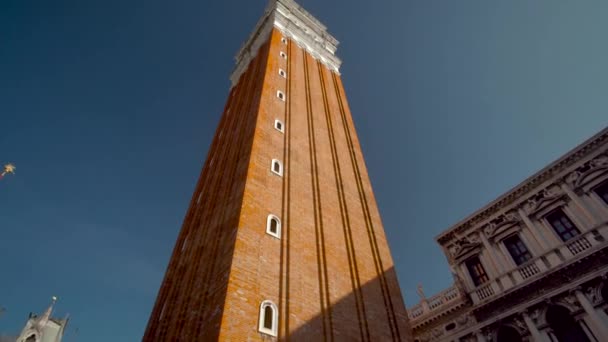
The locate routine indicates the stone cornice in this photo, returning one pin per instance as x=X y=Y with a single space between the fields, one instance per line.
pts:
x=520 y=191
x=294 y=23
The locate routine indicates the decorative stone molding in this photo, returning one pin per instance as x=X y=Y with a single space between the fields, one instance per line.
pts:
x=543 y=198
x=597 y=164
x=594 y=294
x=570 y=302
x=465 y=321
x=464 y=245
x=572 y=178
x=295 y=23
x=497 y=225
x=535 y=314
x=518 y=324
x=515 y=195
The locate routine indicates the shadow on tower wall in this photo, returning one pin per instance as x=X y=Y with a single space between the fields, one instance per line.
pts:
x=380 y=318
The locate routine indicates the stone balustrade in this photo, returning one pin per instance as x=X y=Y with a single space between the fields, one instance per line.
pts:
x=437 y=303
x=565 y=253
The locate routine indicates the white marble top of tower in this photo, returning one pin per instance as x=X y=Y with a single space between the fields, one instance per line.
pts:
x=298 y=25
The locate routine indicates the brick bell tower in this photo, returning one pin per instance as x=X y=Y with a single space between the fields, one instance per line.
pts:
x=283 y=239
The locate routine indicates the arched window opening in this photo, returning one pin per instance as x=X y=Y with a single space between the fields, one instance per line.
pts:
x=277 y=167
x=268 y=318
x=564 y=326
x=281 y=95
x=273 y=226
x=507 y=334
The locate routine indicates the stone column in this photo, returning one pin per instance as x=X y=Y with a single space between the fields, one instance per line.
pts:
x=488 y=262
x=480 y=337
x=531 y=243
x=597 y=325
x=540 y=237
x=536 y=335
x=496 y=261
x=581 y=205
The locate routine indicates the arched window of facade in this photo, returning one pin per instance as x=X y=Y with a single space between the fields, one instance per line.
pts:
x=269 y=318
x=564 y=326
x=508 y=334
x=277 y=167
x=273 y=226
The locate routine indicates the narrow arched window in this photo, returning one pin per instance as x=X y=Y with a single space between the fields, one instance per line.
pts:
x=284 y=40
x=281 y=95
x=277 y=167
x=283 y=55
x=273 y=226
x=282 y=73
x=278 y=124
x=269 y=317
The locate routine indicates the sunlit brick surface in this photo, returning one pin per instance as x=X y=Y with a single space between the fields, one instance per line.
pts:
x=331 y=273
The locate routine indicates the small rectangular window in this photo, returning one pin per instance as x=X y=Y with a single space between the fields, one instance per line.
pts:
x=562 y=225
x=517 y=249
x=476 y=270
x=278 y=125
x=602 y=191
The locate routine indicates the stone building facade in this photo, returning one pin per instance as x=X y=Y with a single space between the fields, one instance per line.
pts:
x=283 y=239
x=533 y=264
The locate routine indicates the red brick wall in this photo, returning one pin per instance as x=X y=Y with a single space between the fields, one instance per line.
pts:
x=331 y=273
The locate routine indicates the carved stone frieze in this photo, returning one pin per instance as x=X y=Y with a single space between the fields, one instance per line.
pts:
x=506 y=220
x=520 y=325
x=570 y=301
x=474 y=238
x=464 y=321
x=464 y=245
x=552 y=191
x=519 y=193
x=598 y=162
x=571 y=178
x=530 y=206
x=538 y=201
x=576 y=178
x=594 y=294
x=489 y=229
x=535 y=315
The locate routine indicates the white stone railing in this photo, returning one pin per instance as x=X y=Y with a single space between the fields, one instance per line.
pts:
x=436 y=303
x=485 y=291
x=528 y=269
x=567 y=252
x=579 y=245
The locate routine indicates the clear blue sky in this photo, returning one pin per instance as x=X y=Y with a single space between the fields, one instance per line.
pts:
x=108 y=108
